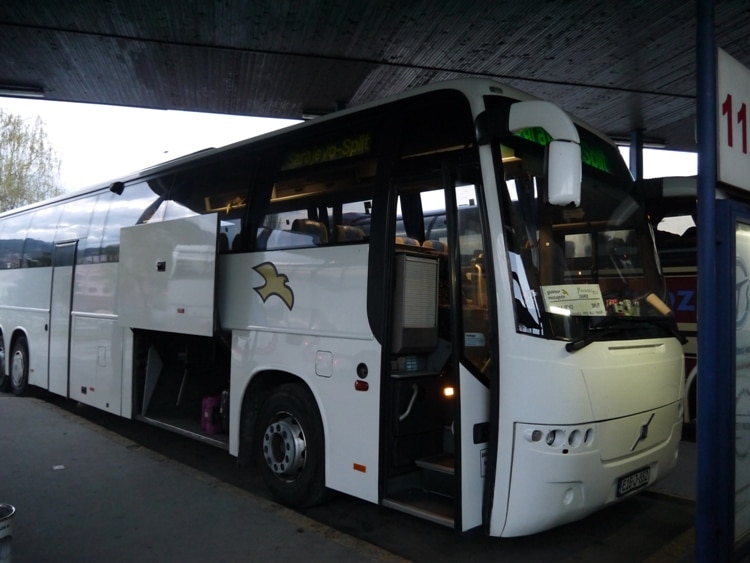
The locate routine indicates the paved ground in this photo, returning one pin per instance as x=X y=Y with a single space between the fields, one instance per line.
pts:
x=85 y=493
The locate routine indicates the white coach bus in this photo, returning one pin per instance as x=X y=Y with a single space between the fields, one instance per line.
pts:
x=506 y=364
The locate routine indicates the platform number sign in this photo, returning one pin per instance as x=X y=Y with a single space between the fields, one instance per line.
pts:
x=733 y=99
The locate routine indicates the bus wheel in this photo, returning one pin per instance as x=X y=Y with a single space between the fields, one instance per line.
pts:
x=289 y=442
x=19 y=367
x=4 y=379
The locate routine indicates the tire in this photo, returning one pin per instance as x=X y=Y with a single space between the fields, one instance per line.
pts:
x=289 y=446
x=19 y=367
x=4 y=379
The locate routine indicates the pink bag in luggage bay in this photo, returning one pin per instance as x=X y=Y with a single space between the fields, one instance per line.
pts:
x=210 y=415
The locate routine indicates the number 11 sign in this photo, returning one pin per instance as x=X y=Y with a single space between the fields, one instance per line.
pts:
x=733 y=98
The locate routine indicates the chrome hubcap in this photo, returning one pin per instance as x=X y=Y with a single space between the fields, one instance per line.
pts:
x=17 y=368
x=284 y=447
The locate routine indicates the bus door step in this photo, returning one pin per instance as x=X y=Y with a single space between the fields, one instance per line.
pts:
x=421 y=504
x=438 y=474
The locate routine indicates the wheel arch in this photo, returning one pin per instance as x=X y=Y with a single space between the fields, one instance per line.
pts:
x=259 y=387
x=4 y=359
x=18 y=332
x=4 y=377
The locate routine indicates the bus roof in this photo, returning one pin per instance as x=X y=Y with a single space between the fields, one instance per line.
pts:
x=473 y=88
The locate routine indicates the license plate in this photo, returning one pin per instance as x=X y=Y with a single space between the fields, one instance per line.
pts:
x=633 y=481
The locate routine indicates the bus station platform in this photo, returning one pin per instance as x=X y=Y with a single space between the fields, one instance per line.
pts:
x=85 y=493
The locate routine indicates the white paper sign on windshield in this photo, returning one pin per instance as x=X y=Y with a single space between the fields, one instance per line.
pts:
x=583 y=300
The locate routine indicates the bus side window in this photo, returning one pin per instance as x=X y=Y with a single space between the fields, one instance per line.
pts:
x=349 y=221
x=11 y=252
x=40 y=236
x=175 y=210
x=315 y=226
x=136 y=204
x=75 y=220
x=91 y=251
x=676 y=241
x=476 y=301
x=293 y=229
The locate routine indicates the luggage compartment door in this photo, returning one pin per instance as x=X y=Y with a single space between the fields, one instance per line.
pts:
x=167 y=276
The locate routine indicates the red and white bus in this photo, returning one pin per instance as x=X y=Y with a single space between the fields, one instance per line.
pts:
x=292 y=299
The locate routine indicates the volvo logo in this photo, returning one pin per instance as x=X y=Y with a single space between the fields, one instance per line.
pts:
x=643 y=433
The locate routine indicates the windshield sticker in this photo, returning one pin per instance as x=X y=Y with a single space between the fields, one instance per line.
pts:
x=584 y=300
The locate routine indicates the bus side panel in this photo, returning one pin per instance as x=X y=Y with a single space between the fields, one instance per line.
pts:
x=96 y=343
x=25 y=298
x=328 y=366
x=96 y=363
x=95 y=288
x=304 y=313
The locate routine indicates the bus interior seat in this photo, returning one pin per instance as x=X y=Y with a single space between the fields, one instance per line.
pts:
x=261 y=238
x=407 y=241
x=223 y=243
x=314 y=229
x=436 y=245
x=345 y=233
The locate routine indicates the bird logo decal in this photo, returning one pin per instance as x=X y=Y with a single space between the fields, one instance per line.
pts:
x=274 y=284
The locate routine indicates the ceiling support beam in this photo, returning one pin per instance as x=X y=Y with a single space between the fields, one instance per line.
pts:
x=636 y=153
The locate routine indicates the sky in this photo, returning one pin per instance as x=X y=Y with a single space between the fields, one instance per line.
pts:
x=98 y=144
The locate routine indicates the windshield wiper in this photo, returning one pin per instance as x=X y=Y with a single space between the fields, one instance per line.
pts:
x=591 y=335
x=607 y=328
x=670 y=326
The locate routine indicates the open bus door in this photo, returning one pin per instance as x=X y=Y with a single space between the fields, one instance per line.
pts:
x=438 y=437
x=167 y=276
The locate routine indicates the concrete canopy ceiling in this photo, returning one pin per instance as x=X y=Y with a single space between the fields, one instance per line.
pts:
x=621 y=65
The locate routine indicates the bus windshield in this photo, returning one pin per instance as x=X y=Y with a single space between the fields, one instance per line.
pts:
x=579 y=269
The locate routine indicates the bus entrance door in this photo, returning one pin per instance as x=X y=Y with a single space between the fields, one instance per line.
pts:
x=64 y=260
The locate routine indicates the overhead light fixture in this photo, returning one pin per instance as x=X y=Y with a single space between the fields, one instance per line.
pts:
x=21 y=91
x=307 y=115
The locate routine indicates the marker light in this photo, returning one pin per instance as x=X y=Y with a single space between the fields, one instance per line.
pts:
x=448 y=391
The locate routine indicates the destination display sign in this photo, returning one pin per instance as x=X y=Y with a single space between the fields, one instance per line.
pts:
x=344 y=148
x=590 y=154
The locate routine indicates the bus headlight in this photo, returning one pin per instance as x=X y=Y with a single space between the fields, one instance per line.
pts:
x=566 y=438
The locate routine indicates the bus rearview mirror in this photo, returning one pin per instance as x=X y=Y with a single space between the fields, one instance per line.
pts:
x=564 y=173
x=563 y=149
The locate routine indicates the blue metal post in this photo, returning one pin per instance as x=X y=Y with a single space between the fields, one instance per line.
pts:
x=712 y=535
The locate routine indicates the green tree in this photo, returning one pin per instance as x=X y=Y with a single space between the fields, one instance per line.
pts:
x=29 y=167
